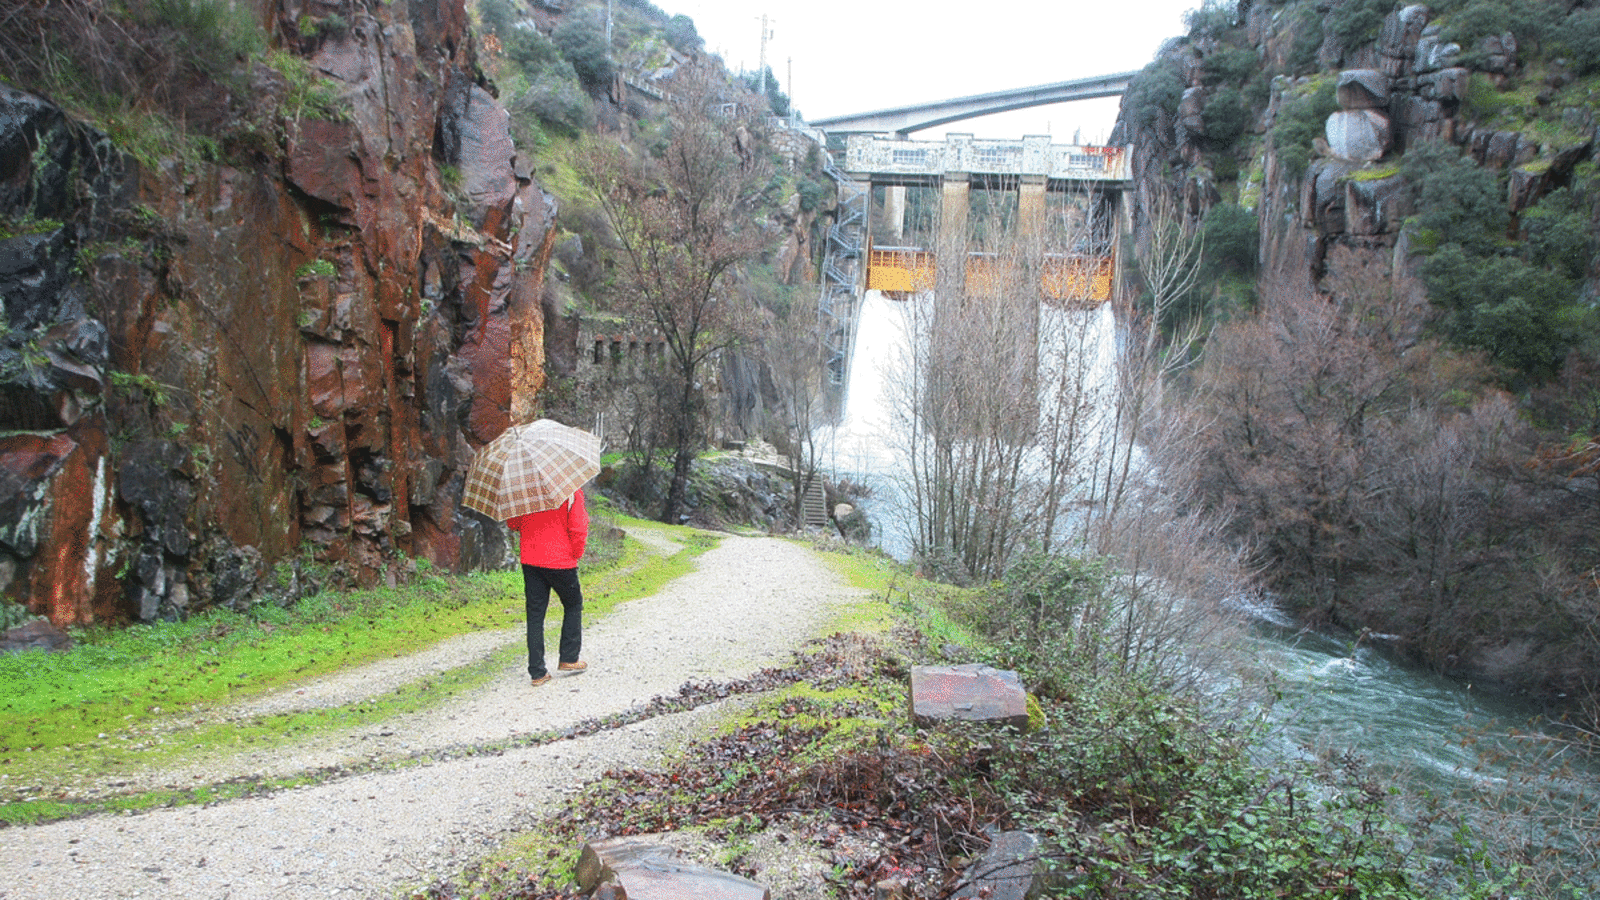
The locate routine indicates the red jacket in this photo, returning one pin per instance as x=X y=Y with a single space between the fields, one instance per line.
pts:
x=555 y=538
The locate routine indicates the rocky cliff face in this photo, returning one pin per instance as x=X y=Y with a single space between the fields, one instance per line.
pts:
x=214 y=372
x=1406 y=86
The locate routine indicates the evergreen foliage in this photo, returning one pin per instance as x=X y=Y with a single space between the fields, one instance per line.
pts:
x=582 y=39
x=683 y=37
x=1154 y=94
x=1300 y=121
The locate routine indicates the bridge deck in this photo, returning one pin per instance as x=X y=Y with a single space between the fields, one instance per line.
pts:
x=877 y=158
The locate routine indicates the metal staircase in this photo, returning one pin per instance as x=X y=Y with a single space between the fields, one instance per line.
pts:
x=841 y=263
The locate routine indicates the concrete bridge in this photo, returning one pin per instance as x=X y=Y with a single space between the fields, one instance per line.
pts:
x=904 y=120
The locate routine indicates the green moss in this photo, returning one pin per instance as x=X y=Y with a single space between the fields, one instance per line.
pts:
x=1377 y=173
x=28 y=226
x=317 y=268
x=1036 y=716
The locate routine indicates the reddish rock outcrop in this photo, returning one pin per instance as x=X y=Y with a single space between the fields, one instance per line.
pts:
x=278 y=356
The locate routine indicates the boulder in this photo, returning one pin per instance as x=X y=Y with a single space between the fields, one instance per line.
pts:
x=967 y=693
x=1360 y=135
x=37 y=634
x=1434 y=53
x=1445 y=86
x=1363 y=89
x=650 y=870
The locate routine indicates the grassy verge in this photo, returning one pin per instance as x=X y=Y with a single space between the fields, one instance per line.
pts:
x=140 y=698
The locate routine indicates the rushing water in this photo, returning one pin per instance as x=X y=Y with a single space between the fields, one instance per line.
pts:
x=1408 y=726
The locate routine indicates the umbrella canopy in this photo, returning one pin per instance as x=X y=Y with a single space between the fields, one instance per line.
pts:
x=531 y=468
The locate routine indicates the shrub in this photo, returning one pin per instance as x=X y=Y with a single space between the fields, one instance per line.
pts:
x=530 y=50
x=1355 y=22
x=1154 y=92
x=1580 y=36
x=1456 y=199
x=555 y=99
x=1557 y=234
x=1225 y=115
x=1301 y=120
x=1307 y=30
x=214 y=35
x=1213 y=20
x=1229 y=65
x=582 y=40
x=1231 y=237
x=683 y=37
x=1512 y=311
x=498 y=17
x=1531 y=23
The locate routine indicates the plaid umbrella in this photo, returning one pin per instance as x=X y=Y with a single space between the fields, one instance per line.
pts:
x=531 y=468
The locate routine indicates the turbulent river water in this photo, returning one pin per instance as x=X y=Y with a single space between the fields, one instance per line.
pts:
x=1432 y=735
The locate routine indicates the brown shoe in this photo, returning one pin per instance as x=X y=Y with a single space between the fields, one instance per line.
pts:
x=541 y=680
x=578 y=666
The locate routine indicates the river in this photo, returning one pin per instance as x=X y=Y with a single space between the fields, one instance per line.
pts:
x=1432 y=736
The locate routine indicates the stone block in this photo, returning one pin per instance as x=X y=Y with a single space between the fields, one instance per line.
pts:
x=1363 y=89
x=1009 y=870
x=650 y=870
x=967 y=693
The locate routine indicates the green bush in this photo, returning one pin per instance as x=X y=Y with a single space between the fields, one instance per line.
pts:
x=1457 y=200
x=555 y=99
x=1532 y=24
x=1580 y=37
x=582 y=39
x=530 y=50
x=683 y=37
x=1513 y=311
x=1231 y=238
x=1155 y=92
x=1557 y=233
x=213 y=35
x=1225 y=115
x=1212 y=21
x=1356 y=22
x=498 y=17
x=1307 y=31
x=1229 y=65
x=1302 y=119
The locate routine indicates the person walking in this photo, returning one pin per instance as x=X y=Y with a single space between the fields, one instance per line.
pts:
x=552 y=543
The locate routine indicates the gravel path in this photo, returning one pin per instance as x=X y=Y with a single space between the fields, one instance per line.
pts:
x=749 y=604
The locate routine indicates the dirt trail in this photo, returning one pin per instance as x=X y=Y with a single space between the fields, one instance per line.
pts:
x=749 y=603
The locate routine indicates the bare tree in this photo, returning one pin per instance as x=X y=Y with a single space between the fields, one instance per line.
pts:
x=792 y=341
x=684 y=219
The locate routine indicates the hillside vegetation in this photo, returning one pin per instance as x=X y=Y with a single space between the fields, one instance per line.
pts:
x=1398 y=208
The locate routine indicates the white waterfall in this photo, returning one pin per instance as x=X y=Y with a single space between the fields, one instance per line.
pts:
x=1077 y=357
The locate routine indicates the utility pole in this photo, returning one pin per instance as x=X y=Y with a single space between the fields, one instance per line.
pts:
x=764 y=35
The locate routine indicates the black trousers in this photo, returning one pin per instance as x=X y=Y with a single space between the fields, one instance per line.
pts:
x=537 y=583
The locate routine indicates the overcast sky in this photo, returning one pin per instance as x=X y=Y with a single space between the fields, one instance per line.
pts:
x=834 y=57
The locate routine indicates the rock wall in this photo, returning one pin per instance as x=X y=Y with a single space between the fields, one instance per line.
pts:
x=219 y=379
x=1404 y=87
